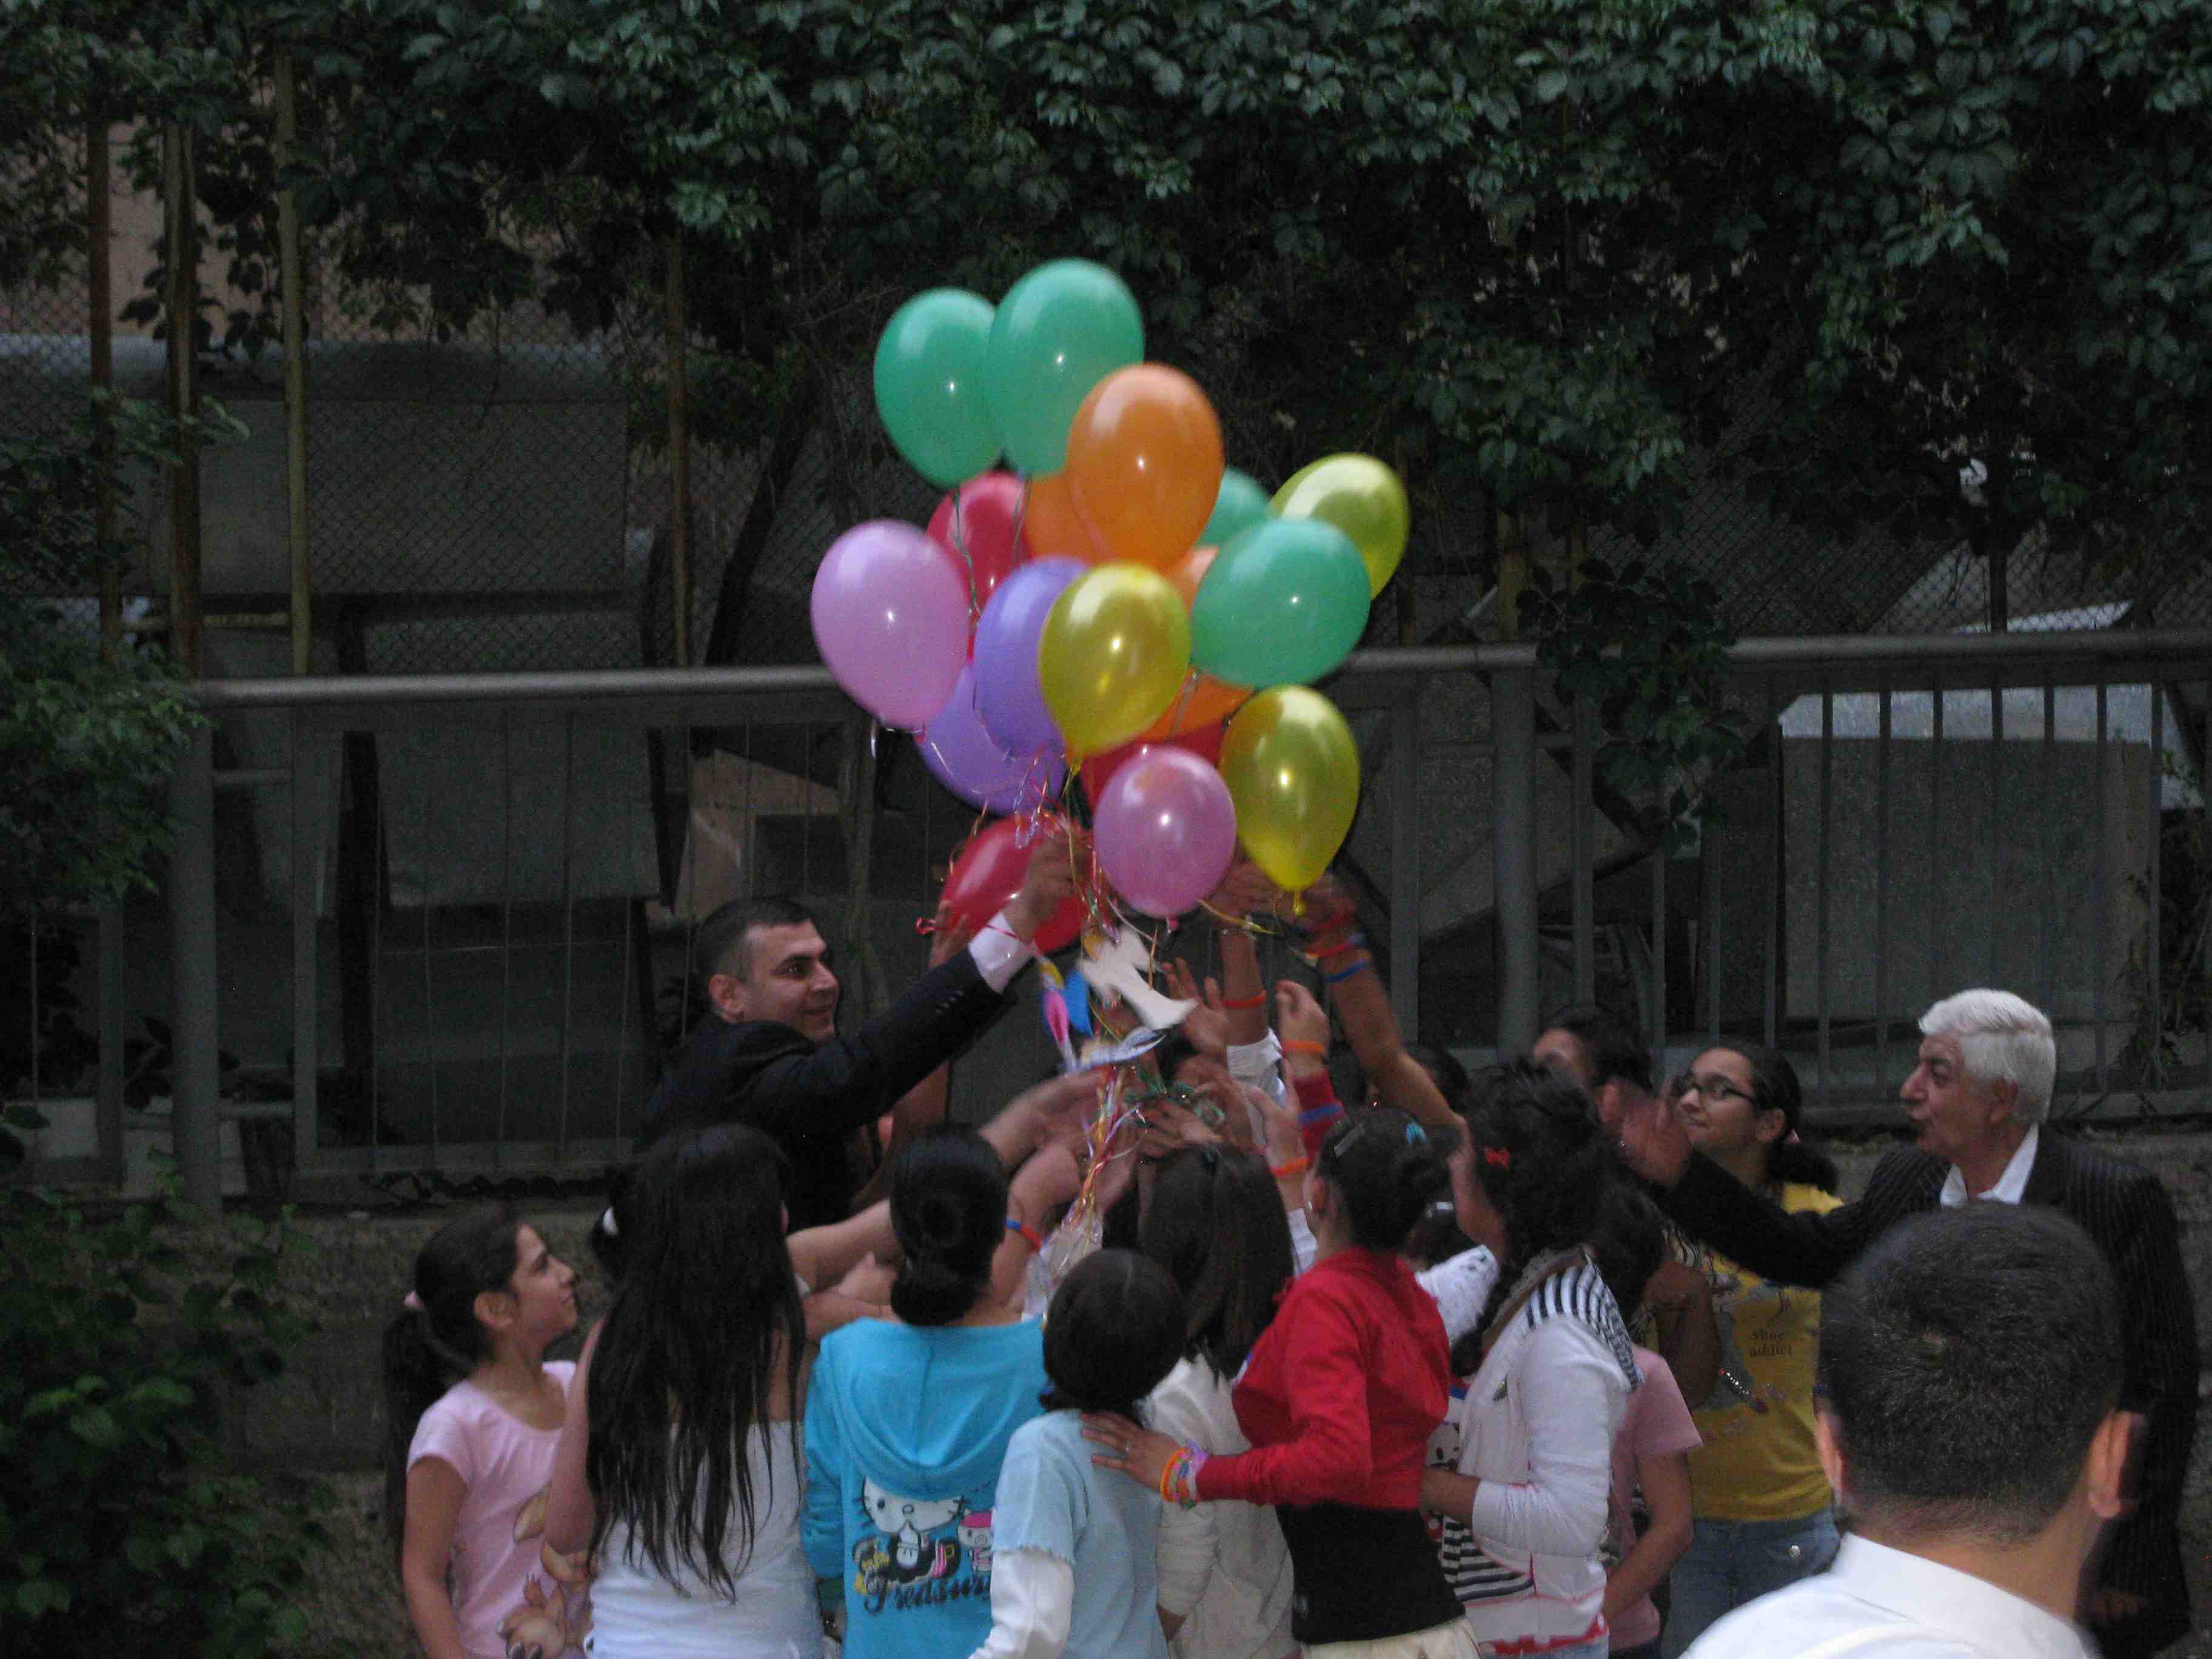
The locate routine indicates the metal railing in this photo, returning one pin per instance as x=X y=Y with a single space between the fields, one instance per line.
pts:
x=485 y=884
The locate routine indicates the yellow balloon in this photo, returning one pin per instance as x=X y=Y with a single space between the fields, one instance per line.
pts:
x=1293 y=771
x=1112 y=656
x=1360 y=497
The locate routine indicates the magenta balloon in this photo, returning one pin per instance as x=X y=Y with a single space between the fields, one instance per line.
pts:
x=890 y=619
x=1007 y=694
x=1165 y=830
x=961 y=755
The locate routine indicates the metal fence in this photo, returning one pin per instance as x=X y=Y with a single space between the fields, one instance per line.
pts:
x=440 y=921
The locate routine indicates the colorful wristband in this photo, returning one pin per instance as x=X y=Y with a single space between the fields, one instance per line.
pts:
x=1296 y=1166
x=1300 y=1046
x=1028 y=1235
x=1257 y=999
x=1344 y=974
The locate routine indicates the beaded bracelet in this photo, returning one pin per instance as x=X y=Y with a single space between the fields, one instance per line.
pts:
x=1344 y=974
x=1028 y=1235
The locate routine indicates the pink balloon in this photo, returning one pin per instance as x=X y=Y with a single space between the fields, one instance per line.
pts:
x=1165 y=831
x=890 y=619
x=967 y=760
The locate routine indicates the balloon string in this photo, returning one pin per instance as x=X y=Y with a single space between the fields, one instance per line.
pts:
x=1021 y=507
x=960 y=545
x=1183 y=703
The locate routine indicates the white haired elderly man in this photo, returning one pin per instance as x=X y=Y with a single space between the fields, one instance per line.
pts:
x=1977 y=1100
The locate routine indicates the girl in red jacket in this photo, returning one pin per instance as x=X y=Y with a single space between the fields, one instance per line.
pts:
x=1337 y=1400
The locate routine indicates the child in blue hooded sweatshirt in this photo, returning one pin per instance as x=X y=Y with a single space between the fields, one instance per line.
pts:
x=907 y=1424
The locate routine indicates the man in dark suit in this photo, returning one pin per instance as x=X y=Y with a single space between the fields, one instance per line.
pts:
x=1977 y=1100
x=769 y=1055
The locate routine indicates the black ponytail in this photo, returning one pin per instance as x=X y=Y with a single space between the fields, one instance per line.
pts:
x=948 y=1197
x=1385 y=1170
x=437 y=1340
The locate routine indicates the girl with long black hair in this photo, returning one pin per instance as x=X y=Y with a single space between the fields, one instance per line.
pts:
x=680 y=1470
x=473 y=1413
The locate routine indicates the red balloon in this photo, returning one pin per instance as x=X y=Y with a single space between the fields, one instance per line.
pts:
x=990 y=509
x=988 y=873
x=1098 y=771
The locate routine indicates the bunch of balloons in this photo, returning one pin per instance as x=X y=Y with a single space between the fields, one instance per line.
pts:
x=1115 y=602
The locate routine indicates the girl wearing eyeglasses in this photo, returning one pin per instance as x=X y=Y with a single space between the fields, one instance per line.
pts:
x=1762 y=1505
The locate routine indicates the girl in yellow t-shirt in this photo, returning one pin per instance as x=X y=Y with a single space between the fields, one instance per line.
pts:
x=1762 y=1505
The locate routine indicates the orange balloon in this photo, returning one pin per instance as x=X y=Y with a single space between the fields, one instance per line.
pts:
x=1203 y=700
x=1144 y=462
x=1054 y=529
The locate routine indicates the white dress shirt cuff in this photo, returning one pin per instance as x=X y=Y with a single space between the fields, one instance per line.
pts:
x=1032 y=1601
x=999 y=955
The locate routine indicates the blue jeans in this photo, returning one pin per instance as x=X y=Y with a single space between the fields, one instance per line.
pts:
x=1729 y=1563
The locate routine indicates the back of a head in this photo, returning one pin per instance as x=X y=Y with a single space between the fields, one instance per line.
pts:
x=1540 y=1155
x=1385 y=1170
x=2001 y=1038
x=1612 y=1047
x=948 y=1197
x=714 y=948
x=1114 y=1328
x=1445 y=1071
x=706 y=1319
x=1216 y=1224
x=1967 y=1360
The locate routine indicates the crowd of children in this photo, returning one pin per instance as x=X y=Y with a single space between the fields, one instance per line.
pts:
x=1292 y=1406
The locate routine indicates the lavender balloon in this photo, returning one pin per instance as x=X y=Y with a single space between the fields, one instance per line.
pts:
x=962 y=756
x=1007 y=694
x=1165 y=830
x=890 y=619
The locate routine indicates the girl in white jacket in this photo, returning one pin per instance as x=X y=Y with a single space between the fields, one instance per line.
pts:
x=1520 y=1474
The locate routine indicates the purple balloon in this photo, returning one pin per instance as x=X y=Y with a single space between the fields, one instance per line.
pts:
x=1007 y=694
x=1165 y=830
x=962 y=756
x=890 y=619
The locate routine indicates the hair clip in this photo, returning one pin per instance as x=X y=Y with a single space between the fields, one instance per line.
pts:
x=1416 y=1135
x=1502 y=1157
x=412 y=1302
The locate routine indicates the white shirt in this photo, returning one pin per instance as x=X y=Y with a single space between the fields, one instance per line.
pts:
x=1222 y=1565
x=998 y=954
x=1880 y=1603
x=2011 y=1185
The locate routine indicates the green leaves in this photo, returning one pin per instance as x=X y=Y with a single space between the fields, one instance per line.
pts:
x=120 y=1515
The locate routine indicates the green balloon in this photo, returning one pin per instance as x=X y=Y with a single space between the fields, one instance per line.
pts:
x=1060 y=331
x=1281 y=605
x=929 y=384
x=1241 y=504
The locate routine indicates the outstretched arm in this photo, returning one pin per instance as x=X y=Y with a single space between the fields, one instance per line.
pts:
x=1362 y=1003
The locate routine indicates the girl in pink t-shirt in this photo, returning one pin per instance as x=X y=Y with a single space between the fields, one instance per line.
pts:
x=474 y=1415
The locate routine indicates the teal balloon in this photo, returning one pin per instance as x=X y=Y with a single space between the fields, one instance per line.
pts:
x=1060 y=331
x=1281 y=605
x=929 y=384
x=1241 y=504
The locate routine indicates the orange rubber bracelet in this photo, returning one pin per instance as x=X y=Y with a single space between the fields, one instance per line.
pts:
x=1296 y=1166
x=1300 y=1046
x=1258 y=1000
